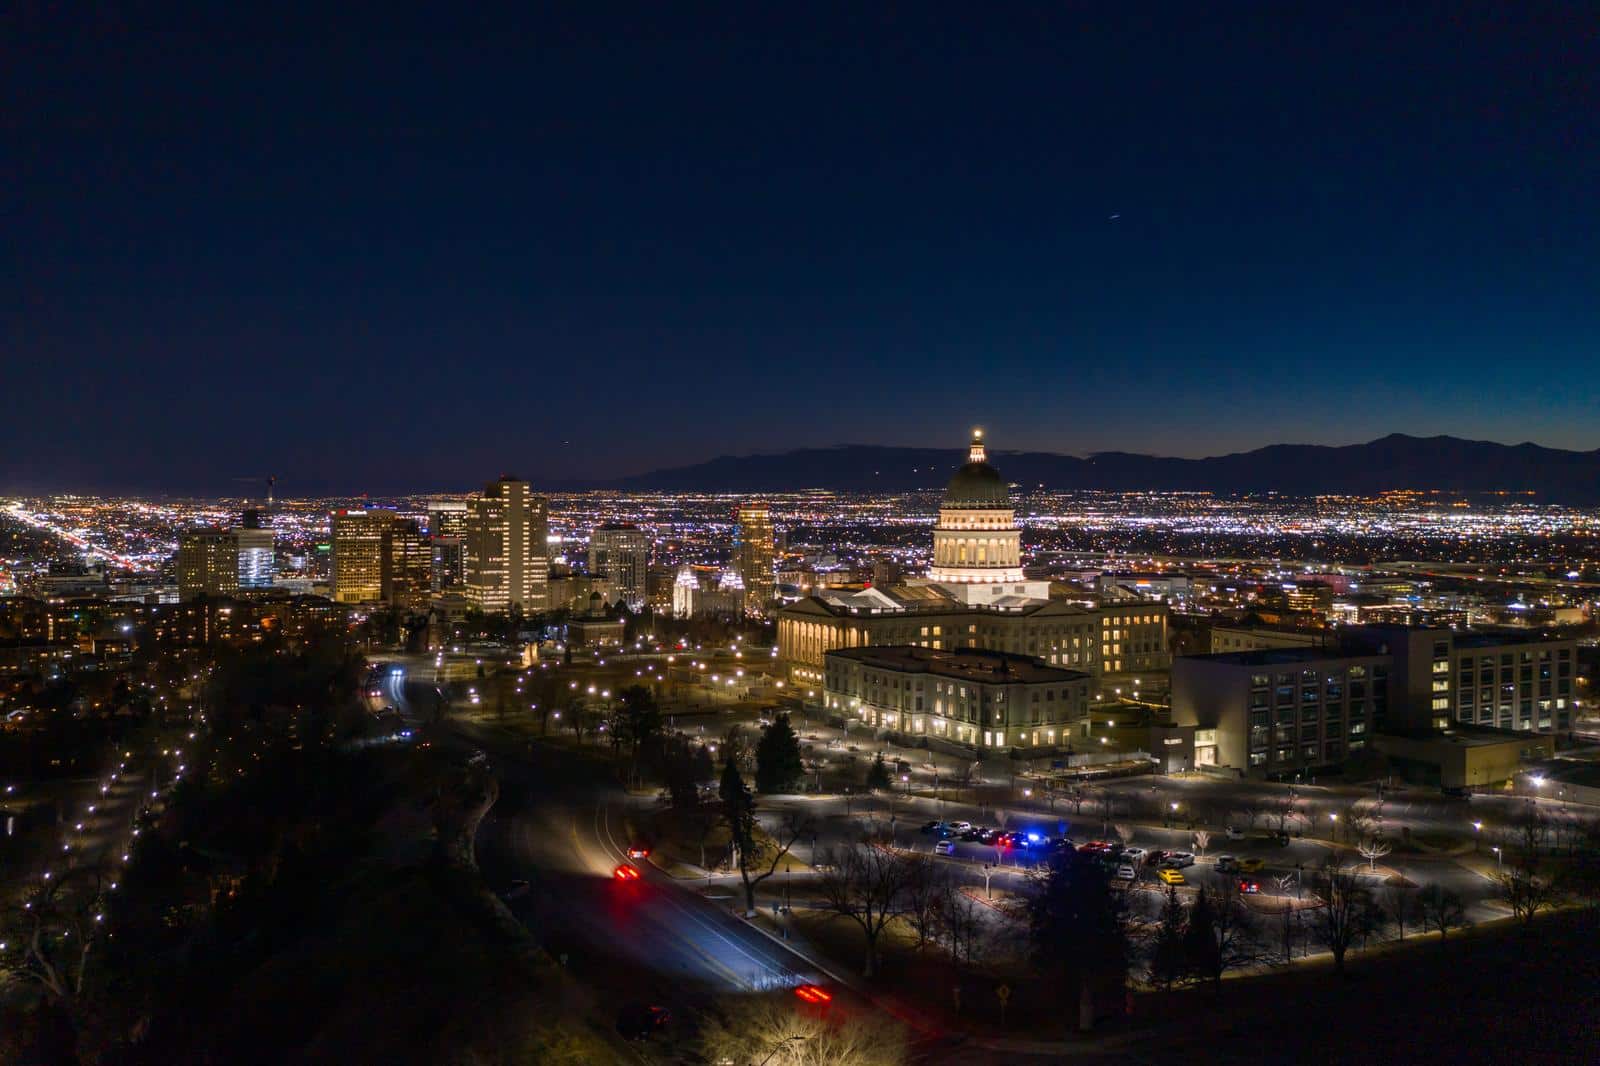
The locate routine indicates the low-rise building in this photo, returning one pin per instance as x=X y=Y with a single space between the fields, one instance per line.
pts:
x=979 y=699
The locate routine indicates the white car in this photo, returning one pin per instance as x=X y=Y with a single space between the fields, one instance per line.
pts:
x=1235 y=833
x=1227 y=863
x=1127 y=873
x=945 y=847
x=960 y=827
x=1177 y=860
x=1137 y=856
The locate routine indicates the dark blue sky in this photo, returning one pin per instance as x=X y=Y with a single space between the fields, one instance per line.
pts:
x=398 y=254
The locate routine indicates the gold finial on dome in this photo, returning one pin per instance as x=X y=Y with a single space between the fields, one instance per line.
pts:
x=976 y=453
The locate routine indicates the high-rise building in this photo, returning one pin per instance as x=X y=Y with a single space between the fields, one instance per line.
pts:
x=755 y=558
x=507 y=549
x=361 y=555
x=258 y=558
x=410 y=566
x=448 y=524
x=208 y=563
x=619 y=554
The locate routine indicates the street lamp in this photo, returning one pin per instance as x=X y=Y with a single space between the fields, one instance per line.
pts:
x=1334 y=818
x=796 y=1039
x=1499 y=859
x=1477 y=836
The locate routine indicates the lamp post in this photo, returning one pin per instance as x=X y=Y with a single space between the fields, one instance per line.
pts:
x=1477 y=836
x=1334 y=818
x=1499 y=859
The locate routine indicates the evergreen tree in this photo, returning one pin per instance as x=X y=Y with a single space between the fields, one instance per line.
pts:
x=1076 y=926
x=1202 y=957
x=1167 y=950
x=778 y=764
x=878 y=779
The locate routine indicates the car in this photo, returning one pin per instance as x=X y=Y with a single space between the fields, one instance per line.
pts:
x=960 y=827
x=1170 y=877
x=1234 y=832
x=1280 y=839
x=989 y=836
x=1126 y=872
x=945 y=847
x=638 y=850
x=975 y=833
x=1249 y=887
x=932 y=827
x=1250 y=866
x=1135 y=855
x=626 y=872
x=1177 y=860
x=1225 y=863
x=1031 y=838
x=638 y=1021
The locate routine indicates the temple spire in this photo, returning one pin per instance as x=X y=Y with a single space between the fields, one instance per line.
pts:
x=976 y=454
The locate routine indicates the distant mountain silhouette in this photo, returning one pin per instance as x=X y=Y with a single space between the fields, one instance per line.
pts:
x=1393 y=462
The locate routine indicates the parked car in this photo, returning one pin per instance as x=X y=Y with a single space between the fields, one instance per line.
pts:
x=1235 y=833
x=1250 y=866
x=1227 y=863
x=1177 y=860
x=1137 y=856
x=989 y=835
x=975 y=833
x=1170 y=877
x=945 y=847
x=1249 y=887
x=1126 y=872
x=932 y=827
x=960 y=827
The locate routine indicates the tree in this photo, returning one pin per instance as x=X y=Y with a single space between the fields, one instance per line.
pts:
x=1372 y=849
x=1524 y=890
x=635 y=721
x=878 y=779
x=1441 y=909
x=1345 y=911
x=961 y=921
x=756 y=853
x=870 y=886
x=777 y=1030
x=1166 y=946
x=924 y=900
x=1202 y=841
x=778 y=763
x=1201 y=960
x=1284 y=811
x=1076 y=925
x=49 y=935
x=1400 y=903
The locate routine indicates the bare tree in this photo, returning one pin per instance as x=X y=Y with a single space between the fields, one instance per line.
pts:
x=961 y=922
x=1372 y=849
x=1524 y=890
x=1400 y=903
x=1202 y=841
x=1220 y=934
x=868 y=885
x=754 y=1030
x=1345 y=912
x=1285 y=810
x=48 y=936
x=1078 y=795
x=757 y=853
x=1123 y=832
x=1248 y=815
x=1440 y=909
x=924 y=897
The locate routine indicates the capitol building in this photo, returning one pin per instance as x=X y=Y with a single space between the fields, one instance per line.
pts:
x=977 y=545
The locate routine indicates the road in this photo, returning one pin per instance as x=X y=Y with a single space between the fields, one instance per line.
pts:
x=557 y=826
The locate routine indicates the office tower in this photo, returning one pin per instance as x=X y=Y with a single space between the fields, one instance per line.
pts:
x=361 y=555
x=507 y=549
x=754 y=558
x=208 y=563
x=448 y=525
x=619 y=555
x=410 y=566
x=258 y=559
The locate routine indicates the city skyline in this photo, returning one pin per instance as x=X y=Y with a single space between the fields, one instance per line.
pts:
x=1152 y=234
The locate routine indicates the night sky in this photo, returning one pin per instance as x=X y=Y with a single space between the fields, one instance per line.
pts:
x=400 y=254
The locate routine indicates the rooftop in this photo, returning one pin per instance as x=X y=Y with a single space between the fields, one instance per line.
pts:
x=1276 y=656
x=969 y=664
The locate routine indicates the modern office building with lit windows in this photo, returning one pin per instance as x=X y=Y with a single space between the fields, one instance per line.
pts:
x=975 y=699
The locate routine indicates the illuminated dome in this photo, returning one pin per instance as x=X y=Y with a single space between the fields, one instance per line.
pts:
x=977 y=484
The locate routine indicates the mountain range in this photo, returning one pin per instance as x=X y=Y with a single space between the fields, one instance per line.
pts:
x=1394 y=462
